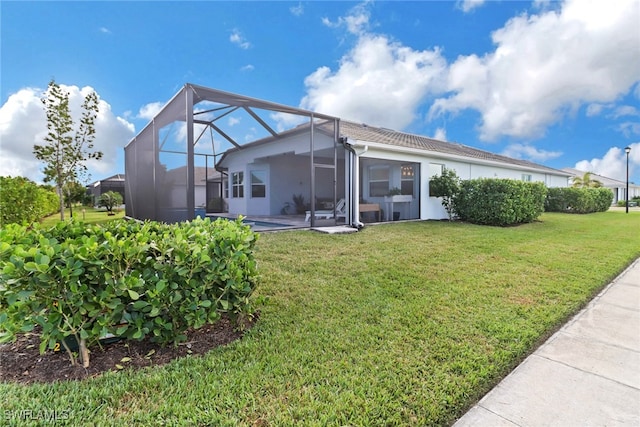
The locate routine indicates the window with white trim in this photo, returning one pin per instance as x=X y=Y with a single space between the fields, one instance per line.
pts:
x=258 y=184
x=407 y=177
x=378 y=180
x=526 y=177
x=237 y=185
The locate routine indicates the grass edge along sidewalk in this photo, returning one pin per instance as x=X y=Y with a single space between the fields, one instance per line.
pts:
x=400 y=324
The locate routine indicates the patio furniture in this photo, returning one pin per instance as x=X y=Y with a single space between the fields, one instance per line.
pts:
x=370 y=207
x=328 y=213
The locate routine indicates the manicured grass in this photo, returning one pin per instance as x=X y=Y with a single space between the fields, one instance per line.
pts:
x=90 y=216
x=400 y=324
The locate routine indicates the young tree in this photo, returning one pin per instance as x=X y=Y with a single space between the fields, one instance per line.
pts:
x=74 y=192
x=110 y=200
x=66 y=149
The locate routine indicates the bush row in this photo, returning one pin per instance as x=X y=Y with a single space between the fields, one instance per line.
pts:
x=23 y=202
x=129 y=279
x=578 y=200
x=499 y=201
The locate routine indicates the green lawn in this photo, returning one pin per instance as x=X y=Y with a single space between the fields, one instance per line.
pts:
x=90 y=216
x=399 y=324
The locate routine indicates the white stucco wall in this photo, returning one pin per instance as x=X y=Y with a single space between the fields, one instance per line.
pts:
x=431 y=207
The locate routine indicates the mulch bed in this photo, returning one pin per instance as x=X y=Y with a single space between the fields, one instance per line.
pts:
x=21 y=361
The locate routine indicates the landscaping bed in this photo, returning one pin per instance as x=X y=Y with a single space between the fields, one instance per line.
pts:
x=21 y=362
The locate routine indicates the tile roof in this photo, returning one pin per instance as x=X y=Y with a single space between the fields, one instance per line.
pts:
x=368 y=133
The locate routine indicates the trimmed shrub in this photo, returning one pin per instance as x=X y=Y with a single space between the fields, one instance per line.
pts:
x=129 y=279
x=23 y=202
x=578 y=200
x=499 y=201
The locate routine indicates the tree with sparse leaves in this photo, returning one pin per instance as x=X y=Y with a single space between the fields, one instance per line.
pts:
x=66 y=148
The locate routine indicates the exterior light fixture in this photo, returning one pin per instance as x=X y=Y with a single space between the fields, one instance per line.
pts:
x=627 y=150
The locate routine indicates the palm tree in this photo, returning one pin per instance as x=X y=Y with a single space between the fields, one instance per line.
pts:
x=585 y=181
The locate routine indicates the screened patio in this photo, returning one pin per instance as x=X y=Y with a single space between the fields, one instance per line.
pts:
x=174 y=170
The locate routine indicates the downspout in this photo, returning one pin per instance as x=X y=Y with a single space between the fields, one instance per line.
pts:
x=354 y=176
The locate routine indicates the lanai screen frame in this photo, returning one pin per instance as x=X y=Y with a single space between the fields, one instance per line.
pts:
x=142 y=161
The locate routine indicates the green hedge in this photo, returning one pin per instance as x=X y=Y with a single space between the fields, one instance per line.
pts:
x=499 y=201
x=578 y=200
x=129 y=279
x=23 y=202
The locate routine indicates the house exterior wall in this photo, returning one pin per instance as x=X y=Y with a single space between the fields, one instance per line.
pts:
x=287 y=166
x=431 y=207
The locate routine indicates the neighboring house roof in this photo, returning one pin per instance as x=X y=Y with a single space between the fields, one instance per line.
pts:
x=368 y=133
x=605 y=181
x=200 y=174
x=119 y=177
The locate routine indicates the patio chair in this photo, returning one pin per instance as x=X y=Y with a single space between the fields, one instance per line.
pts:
x=328 y=213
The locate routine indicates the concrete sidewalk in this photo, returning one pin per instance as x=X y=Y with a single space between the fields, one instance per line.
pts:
x=586 y=374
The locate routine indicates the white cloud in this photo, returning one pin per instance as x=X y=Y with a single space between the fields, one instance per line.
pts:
x=23 y=124
x=547 y=65
x=379 y=81
x=528 y=152
x=237 y=38
x=297 y=10
x=441 y=134
x=468 y=5
x=149 y=111
x=628 y=129
x=595 y=109
x=233 y=121
x=356 y=21
x=247 y=67
x=625 y=110
x=614 y=163
x=105 y=30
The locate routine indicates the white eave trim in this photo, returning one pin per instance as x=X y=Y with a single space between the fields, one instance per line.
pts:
x=438 y=155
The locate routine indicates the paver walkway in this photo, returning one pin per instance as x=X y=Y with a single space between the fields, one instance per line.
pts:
x=586 y=374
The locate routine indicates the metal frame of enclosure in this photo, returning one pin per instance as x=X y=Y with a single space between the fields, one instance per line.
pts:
x=176 y=154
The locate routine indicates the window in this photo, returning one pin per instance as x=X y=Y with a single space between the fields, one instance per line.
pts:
x=378 y=181
x=526 y=177
x=237 y=184
x=225 y=188
x=258 y=184
x=435 y=169
x=407 y=173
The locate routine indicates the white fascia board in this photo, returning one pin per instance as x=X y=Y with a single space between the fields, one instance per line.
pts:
x=438 y=155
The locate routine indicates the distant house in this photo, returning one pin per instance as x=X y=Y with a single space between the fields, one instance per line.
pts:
x=619 y=188
x=114 y=183
x=320 y=161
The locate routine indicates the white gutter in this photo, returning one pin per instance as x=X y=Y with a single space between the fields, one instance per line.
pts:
x=358 y=149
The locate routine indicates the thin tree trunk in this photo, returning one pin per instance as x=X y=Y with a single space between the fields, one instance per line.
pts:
x=61 y=197
x=84 y=353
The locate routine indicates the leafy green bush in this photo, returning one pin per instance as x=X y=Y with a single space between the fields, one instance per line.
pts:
x=23 y=201
x=499 y=201
x=578 y=200
x=129 y=279
x=446 y=186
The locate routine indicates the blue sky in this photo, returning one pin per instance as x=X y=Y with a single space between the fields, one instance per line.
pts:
x=557 y=83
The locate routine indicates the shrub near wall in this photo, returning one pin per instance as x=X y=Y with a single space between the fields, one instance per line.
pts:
x=578 y=200
x=128 y=279
x=499 y=201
